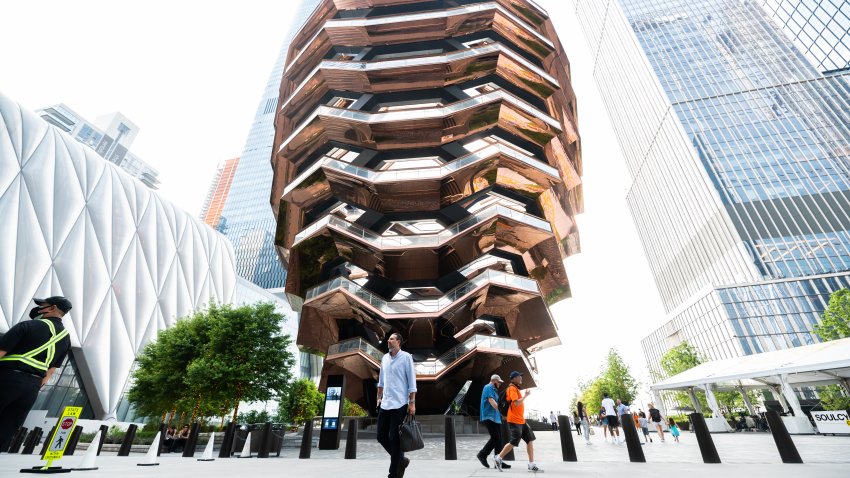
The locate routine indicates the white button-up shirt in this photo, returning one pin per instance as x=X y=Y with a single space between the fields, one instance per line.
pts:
x=397 y=378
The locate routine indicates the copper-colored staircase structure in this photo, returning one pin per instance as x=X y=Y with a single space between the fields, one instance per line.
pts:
x=427 y=172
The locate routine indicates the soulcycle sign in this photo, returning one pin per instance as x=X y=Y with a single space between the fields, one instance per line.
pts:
x=837 y=421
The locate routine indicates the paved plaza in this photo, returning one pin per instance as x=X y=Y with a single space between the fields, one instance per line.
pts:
x=752 y=454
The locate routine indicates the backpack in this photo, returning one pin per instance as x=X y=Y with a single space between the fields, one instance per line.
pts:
x=504 y=403
x=655 y=415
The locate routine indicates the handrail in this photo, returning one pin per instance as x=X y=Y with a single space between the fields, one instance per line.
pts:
x=434 y=367
x=435 y=59
x=420 y=240
x=423 y=113
x=435 y=172
x=425 y=306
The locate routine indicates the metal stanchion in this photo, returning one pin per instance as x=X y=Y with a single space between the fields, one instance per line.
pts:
x=506 y=437
x=451 y=440
x=568 y=447
x=787 y=449
x=265 y=441
x=17 y=440
x=706 y=443
x=73 y=440
x=627 y=423
x=192 y=441
x=227 y=444
x=163 y=428
x=307 y=440
x=127 y=442
x=351 y=440
x=103 y=431
x=31 y=441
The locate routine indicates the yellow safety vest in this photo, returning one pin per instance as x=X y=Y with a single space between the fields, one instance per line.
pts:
x=50 y=346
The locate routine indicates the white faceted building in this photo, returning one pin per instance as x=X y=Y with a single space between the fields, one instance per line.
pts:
x=76 y=225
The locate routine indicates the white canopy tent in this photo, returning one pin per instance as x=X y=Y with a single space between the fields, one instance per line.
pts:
x=807 y=366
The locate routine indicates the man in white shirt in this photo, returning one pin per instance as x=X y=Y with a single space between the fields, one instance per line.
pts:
x=611 y=415
x=396 y=399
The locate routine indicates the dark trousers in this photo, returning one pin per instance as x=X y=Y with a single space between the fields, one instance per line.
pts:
x=19 y=391
x=388 y=423
x=495 y=441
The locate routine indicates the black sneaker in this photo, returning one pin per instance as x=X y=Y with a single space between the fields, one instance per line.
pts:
x=483 y=460
x=405 y=462
x=506 y=466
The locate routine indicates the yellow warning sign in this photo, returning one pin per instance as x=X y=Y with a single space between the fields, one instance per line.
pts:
x=64 y=427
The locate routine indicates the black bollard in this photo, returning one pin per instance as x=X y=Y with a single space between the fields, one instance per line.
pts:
x=506 y=437
x=787 y=449
x=227 y=443
x=163 y=428
x=627 y=423
x=47 y=441
x=192 y=441
x=706 y=443
x=351 y=440
x=307 y=440
x=277 y=442
x=127 y=442
x=265 y=441
x=451 y=440
x=568 y=447
x=31 y=441
x=17 y=440
x=73 y=440
x=103 y=431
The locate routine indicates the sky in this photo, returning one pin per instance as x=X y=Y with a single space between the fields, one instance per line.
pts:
x=190 y=74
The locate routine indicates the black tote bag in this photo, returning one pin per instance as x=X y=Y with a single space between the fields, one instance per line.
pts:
x=409 y=434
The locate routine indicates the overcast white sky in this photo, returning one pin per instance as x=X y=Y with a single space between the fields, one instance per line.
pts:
x=190 y=74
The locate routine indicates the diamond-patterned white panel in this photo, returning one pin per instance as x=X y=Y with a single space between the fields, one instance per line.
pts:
x=78 y=226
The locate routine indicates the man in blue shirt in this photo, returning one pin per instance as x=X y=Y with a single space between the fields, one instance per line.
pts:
x=396 y=398
x=491 y=419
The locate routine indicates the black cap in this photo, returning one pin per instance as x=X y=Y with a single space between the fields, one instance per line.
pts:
x=516 y=374
x=62 y=303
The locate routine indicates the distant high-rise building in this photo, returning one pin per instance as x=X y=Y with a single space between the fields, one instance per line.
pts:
x=211 y=212
x=109 y=135
x=734 y=120
x=246 y=218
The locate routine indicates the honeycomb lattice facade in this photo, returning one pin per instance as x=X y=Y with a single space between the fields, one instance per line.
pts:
x=427 y=172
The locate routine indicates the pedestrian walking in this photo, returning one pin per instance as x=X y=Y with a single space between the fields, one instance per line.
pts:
x=30 y=352
x=603 y=422
x=396 y=399
x=584 y=421
x=613 y=421
x=519 y=429
x=674 y=429
x=644 y=427
x=554 y=420
x=655 y=418
x=492 y=419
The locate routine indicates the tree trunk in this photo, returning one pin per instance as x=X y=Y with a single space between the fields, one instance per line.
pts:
x=196 y=409
x=237 y=400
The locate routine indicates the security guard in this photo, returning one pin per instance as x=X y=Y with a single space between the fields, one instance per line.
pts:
x=29 y=354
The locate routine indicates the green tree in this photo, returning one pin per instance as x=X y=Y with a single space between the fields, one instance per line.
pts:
x=246 y=358
x=835 y=321
x=617 y=379
x=212 y=360
x=835 y=324
x=302 y=402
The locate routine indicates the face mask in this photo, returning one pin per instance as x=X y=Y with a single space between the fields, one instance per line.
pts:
x=34 y=312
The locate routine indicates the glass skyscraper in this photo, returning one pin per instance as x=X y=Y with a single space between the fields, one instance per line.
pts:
x=733 y=119
x=246 y=218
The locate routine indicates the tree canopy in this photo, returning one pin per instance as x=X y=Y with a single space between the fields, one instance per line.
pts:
x=835 y=321
x=615 y=379
x=212 y=360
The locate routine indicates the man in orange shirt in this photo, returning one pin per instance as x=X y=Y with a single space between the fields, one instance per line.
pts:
x=516 y=423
